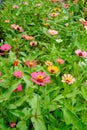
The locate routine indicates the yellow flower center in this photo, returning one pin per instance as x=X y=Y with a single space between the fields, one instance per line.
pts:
x=68 y=79
x=53 y=69
x=40 y=78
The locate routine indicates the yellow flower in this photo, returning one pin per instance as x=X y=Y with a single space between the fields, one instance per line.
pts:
x=53 y=69
x=68 y=78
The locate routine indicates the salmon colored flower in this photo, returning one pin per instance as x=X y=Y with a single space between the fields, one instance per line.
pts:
x=31 y=64
x=5 y=47
x=81 y=53
x=68 y=78
x=19 y=88
x=48 y=63
x=53 y=32
x=54 y=14
x=12 y=124
x=40 y=78
x=75 y=1
x=28 y=38
x=53 y=69
x=66 y=6
x=53 y=1
x=17 y=27
x=33 y=43
x=18 y=74
x=60 y=61
x=15 y=63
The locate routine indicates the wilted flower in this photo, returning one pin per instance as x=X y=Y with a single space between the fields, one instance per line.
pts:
x=15 y=6
x=12 y=124
x=40 y=78
x=53 y=32
x=33 y=43
x=68 y=78
x=15 y=63
x=19 y=88
x=31 y=64
x=48 y=63
x=18 y=74
x=60 y=61
x=5 y=47
x=81 y=53
x=28 y=38
x=53 y=69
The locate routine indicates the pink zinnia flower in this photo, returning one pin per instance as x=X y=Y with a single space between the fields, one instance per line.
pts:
x=53 y=32
x=40 y=78
x=19 y=88
x=81 y=53
x=15 y=6
x=31 y=64
x=18 y=74
x=12 y=124
x=60 y=61
x=28 y=38
x=53 y=1
x=17 y=27
x=5 y=47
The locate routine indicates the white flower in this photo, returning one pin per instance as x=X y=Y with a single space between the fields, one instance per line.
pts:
x=59 y=40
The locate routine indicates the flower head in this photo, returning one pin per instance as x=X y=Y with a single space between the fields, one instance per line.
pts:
x=40 y=78
x=18 y=74
x=12 y=124
x=15 y=6
x=81 y=53
x=53 y=69
x=5 y=47
x=17 y=27
x=19 y=88
x=33 y=43
x=15 y=63
x=7 y=21
x=60 y=61
x=54 y=14
x=28 y=38
x=53 y=32
x=68 y=78
x=31 y=64
x=48 y=63
x=25 y=3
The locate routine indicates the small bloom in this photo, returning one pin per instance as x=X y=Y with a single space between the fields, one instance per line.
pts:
x=19 y=88
x=25 y=3
x=53 y=69
x=48 y=63
x=53 y=32
x=81 y=53
x=7 y=21
x=68 y=78
x=5 y=47
x=54 y=14
x=18 y=74
x=33 y=43
x=53 y=1
x=28 y=38
x=59 y=40
x=15 y=63
x=17 y=27
x=66 y=24
x=40 y=78
x=75 y=1
x=38 y=4
x=12 y=124
x=60 y=61
x=15 y=6
x=31 y=64
x=66 y=6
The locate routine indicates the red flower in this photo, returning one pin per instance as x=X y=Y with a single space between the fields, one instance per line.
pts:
x=15 y=63
x=12 y=124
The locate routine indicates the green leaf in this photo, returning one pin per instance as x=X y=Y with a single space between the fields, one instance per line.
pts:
x=84 y=92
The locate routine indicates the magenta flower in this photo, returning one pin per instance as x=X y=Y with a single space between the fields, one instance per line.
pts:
x=12 y=124
x=5 y=47
x=19 y=88
x=18 y=74
x=81 y=53
x=40 y=78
